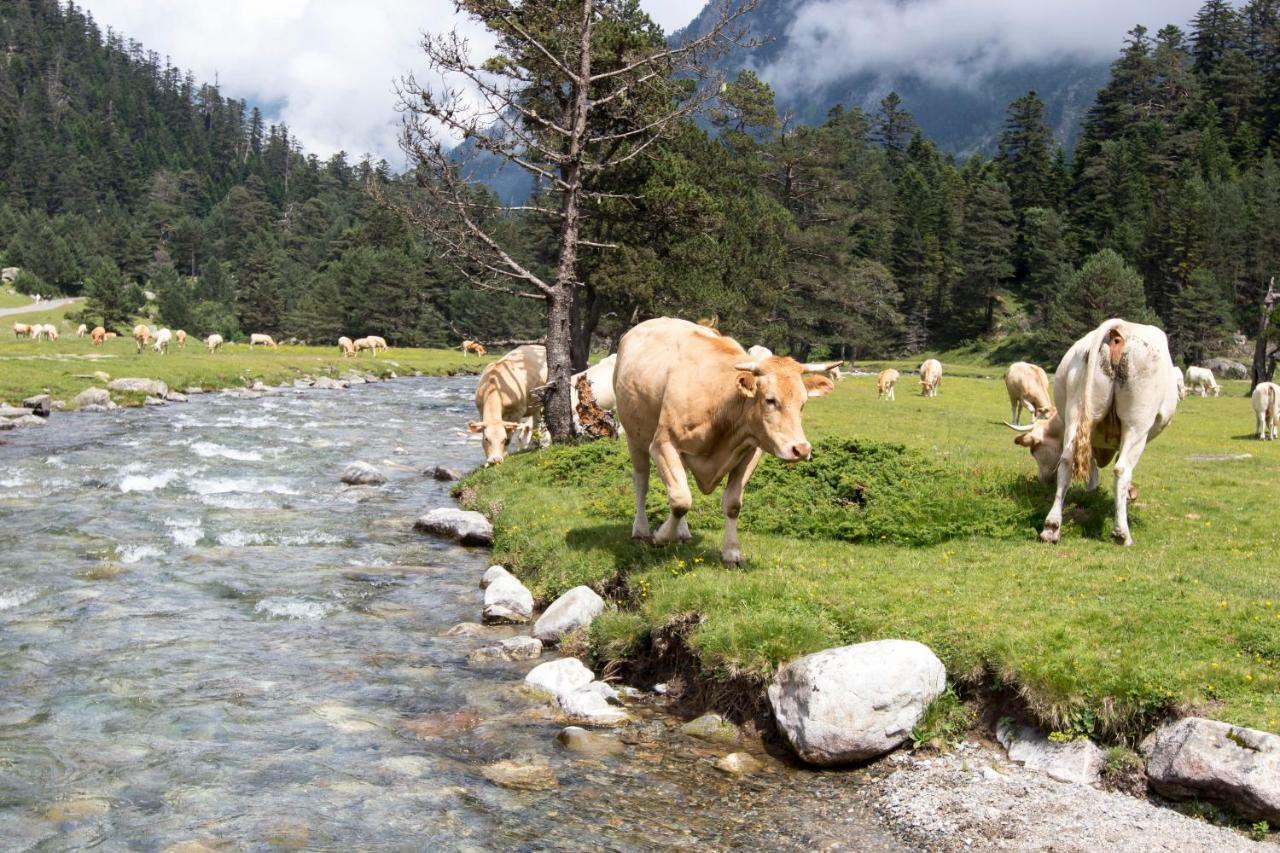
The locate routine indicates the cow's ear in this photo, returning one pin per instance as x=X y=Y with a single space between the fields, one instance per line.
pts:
x=818 y=386
x=475 y=426
x=746 y=384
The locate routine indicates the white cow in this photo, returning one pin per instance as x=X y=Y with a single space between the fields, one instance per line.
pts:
x=1028 y=385
x=162 y=340
x=82 y=330
x=260 y=339
x=1266 y=405
x=49 y=332
x=213 y=342
x=1116 y=390
x=600 y=377
x=1200 y=380
x=930 y=377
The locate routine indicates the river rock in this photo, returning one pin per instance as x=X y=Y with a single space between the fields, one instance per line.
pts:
x=175 y=397
x=467 y=629
x=492 y=573
x=154 y=401
x=857 y=702
x=13 y=411
x=71 y=810
x=92 y=397
x=1225 y=368
x=324 y=383
x=6 y=424
x=429 y=726
x=711 y=727
x=522 y=776
x=445 y=475
x=588 y=706
x=578 y=739
x=571 y=611
x=506 y=600
x=510 y=649
x=26 y=421
x=1239 y=768
x=193 y=391
x=362 y=474
x=469 y=528
x=739 y=764
x=152 y=387
x=94 y=407
x=559 y=677
x=40 y=404
x=1079 y=761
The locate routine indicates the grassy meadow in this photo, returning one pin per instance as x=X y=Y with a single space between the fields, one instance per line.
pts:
x=918 y=519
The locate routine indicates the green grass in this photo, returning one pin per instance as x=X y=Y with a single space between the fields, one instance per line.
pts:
x=10 y=299
x=918 y=519
x=65 y=367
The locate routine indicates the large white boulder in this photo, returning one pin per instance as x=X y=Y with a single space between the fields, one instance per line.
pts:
x=1196 y=758
x=491 y=574
x=469 y=528
x=506 y=600
x=857 y=702
x=587 y=706
x=571 y=611
x=560 y=677
x=150 y=387
x=1079 y=761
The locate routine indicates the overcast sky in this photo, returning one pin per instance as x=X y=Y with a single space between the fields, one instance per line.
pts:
x=326 y=66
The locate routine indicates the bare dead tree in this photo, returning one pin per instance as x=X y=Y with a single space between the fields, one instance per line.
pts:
x=1264 y=358
x=577 y=89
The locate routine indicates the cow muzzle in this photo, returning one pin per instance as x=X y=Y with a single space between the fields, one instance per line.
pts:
x=796 y=452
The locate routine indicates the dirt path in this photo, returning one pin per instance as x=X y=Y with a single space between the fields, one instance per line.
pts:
x=34 y=307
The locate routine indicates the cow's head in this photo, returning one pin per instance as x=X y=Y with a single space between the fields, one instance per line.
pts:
x=494 y=437
x=778 y=389
x=1043 y=438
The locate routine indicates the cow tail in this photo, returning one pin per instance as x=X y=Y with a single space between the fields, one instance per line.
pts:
x=1083 y=446
x=1271 y=399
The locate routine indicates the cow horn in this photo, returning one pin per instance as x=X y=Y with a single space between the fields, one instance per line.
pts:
x=821 y=366
x=751 y=366
x=1016 y=428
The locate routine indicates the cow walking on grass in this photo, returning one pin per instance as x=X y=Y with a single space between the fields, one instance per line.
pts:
x=691 y=399
x=885 y=383
x=1266 y=405
x=1116 y=389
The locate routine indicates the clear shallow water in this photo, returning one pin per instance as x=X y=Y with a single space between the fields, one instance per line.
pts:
x=203 y=635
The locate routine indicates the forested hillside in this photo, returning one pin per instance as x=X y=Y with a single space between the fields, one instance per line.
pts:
x=119 y=173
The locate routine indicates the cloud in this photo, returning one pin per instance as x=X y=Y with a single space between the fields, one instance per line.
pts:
x=955 y=43
x=326 y=68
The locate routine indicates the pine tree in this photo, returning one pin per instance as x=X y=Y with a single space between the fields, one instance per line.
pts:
x=893 y=128
x=112 y=299
x=987 y=256
x=1104 y=286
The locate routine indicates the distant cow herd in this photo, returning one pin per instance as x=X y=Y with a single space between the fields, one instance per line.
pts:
x=691 y=400
x=159 y=340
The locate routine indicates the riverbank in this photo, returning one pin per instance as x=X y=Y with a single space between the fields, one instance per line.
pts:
x=925 y=528
x=65 y=367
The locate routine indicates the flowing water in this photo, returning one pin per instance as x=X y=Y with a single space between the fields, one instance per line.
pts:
x=203 y=636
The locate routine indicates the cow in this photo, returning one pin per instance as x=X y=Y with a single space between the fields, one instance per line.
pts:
x=1028 y=385
x=473 y=346
x=694 y=400
x=885 y=383
x=213 y=343
x=1182 y=386
x=360 y=344
x=930 y=377
x=48 y=331
x=346 y=347
x=377 y=343
x=82 y=330
x=600 y=377
x=161 y=344
x=504 y=400
x=1200 y=380
x=111 y=336
x=180 y=337
x=1116 y=389
x=21 y=330
x=141 y=336
x=265 y=340
x=1266 y=405
x=98 y=335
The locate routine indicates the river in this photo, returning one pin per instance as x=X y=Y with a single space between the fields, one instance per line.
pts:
x=205 y=638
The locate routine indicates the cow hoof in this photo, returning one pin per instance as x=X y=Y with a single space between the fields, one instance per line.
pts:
x=1121 y=537
x=1050 y=535
x=1133 y=492
x=732 y=558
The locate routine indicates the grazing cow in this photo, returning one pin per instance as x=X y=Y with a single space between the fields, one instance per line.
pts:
x=1266 y=405
x=600 y=377
x=360 y=344
x=82 y=330
x=378 y=344
x=1028 y=385
x=141 y=336
x=472 y=346
x=98 y=335
x=265 y=340
x=180 y=337
x=504 y=401
x=1116 y=390
x=161 y=344
x=885 y=383
x=21 y=330
x=213 y=343
x=1200 y=380
x=346 y=347
x=49 y=332
x=111 y=336
x=930 y=377
x=693 y=400
x=1182 y=386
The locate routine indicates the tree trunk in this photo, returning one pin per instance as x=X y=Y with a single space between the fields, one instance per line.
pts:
x=1261 y=371
x=584 y=327
x=557 y=403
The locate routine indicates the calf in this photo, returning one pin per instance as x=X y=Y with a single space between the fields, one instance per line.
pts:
x=885 y=383
x=1028 y=385
x=1266 y=405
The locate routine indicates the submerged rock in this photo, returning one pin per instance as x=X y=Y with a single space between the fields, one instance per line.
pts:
x=522 y=776
x=80 y=809
x=468 y=528
x=1235 y=767
x=445 y=475
x=590 y=706
x=739 y=764
x=152 y=387
x=578 y=739
x=362 y=474
x=506 y=600
x=576 y=609
x=441 y=725
x=1079 y=761
x=467 y=629
x=26 y=421
x=711 y=727
x=510 y=649
x=857 y=702
x=92 y=397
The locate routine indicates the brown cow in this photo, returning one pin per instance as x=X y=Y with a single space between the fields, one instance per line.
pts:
x=141 y=336
x=98 y=334
x=473 y=346
x=181 y=337
x=21 y=330
x=1028 y=385
x=693 y=400
x=504 y=401
x=885 y=383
